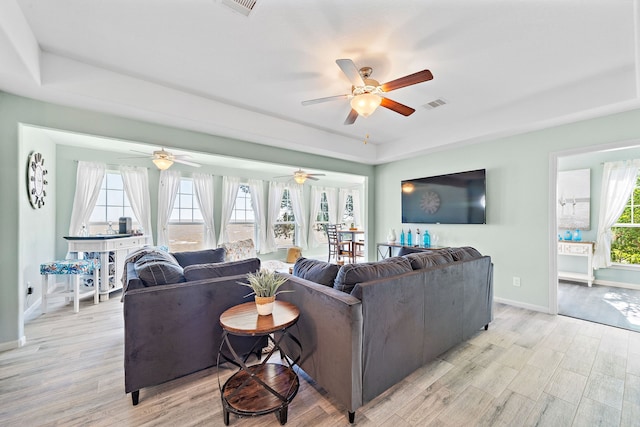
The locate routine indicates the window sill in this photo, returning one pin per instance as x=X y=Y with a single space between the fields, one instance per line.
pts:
x=629 y=267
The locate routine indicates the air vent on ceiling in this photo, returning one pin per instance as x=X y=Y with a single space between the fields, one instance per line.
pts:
x=242 y=6
x=435 y=103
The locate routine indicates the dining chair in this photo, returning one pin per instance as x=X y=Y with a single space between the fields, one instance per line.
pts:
x=337 y=247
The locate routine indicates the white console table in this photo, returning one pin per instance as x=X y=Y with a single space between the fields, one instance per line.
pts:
x=583 y=249
x=113 y=250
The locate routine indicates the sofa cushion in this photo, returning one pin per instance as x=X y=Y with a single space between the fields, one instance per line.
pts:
x=224 y=269
x=351 y=274
x=241 y=249
x=205 y=256
x=425 y=259
x=464 y=253
x=316 y=271
x=158 y=252
x=153 y=271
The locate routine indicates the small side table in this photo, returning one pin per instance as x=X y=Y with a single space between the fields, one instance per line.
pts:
x=265 y=387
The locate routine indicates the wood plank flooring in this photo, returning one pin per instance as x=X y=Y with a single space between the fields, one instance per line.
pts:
x=528 y=369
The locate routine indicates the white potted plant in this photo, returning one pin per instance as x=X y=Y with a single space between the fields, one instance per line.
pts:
x=264 y=285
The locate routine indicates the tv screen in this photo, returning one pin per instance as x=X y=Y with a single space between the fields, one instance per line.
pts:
x=456 y=198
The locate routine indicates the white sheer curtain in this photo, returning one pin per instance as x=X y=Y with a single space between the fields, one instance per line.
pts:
x=256 y=188
x=203 y=187
x=315 y=200
x=297 y=204
x=618 y=181
x=136 y=186
x=89 y=179
x=275 y=199
x=167 y=190
x=332 y=205
x=230 y=186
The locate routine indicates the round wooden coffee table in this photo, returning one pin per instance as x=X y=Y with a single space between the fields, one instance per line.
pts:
x=265 y=387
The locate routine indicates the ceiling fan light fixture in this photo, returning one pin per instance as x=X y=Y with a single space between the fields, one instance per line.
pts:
x=299 y=178
x=366 y=103
x=162 y=163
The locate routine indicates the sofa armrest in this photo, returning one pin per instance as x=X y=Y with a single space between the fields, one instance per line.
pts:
x=330 y=330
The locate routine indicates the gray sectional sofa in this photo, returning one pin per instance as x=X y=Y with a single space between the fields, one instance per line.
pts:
x=399 y=314
x=363 y=327
x=172 y=308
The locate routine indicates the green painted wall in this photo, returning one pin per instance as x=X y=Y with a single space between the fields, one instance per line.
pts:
x=16 y=229
x=517 y=234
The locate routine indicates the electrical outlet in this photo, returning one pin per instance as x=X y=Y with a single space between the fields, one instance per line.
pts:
x=516 y=281
x=29 y=288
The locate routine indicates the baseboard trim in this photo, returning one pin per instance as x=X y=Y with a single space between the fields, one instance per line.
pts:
x=613 y=284
x=519 y=304
x=10 y=345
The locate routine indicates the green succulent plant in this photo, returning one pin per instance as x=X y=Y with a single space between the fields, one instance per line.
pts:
x=264 y=283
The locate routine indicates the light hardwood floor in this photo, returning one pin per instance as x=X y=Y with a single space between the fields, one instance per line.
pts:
x=528 y=369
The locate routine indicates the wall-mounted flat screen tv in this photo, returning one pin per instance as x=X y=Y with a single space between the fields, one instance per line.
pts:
x=456 y=198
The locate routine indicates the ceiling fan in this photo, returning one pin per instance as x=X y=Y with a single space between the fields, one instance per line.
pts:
x=301 y=176
x=163 y=159
x=367 y=94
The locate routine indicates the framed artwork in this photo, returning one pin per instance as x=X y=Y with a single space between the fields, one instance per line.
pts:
x=574 y=199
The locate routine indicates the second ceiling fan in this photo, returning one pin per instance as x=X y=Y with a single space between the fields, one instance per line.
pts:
x=367 y=94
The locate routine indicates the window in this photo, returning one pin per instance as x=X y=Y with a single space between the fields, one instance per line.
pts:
x=322 y=220
x=347 y=216
x=112 y=204
x=625 y=247
x=285 y=227
x=243 y=222
x=186 y=227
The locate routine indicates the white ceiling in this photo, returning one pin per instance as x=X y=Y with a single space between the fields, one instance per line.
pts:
x=504 y=67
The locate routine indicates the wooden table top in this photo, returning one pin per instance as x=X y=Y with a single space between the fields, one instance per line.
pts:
x=244 y=319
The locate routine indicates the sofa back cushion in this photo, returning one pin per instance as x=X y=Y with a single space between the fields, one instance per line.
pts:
x=225 y=269
x=464 y=253
x=155 y=271
x=241 y=249
x=351 y=274
x=205 y=256
x=316 y=271
x=425 y=259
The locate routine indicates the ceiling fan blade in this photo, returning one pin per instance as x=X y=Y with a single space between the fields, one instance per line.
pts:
x=185 y=162
x=312 y=178
x=142 y=152
x=283 y=176
x=397 y=107
x=328 y=98
x=351 y=71
x=351 y=118
x=137 y=157
x=411 y=79
x=316 y=174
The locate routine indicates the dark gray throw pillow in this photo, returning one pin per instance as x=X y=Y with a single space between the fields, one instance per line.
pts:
x=464 y=253
x=425 y=259
x=155 y=272
x=205 y=256
x=224 y=269
x=351 y=274
x=316 y=271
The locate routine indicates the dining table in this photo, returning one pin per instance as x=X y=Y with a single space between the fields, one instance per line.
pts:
x=351 y=235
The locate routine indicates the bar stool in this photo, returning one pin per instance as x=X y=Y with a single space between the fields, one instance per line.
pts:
x=70 y=267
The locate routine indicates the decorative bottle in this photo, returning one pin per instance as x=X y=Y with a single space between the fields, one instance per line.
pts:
x=418 y=237
x=391 y=237
x=426 y=239
x=409 y=242
x=402 y=237
x=567 y=235
x=577 y=235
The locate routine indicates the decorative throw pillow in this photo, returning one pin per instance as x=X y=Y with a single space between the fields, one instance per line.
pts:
x=464 y=253
x=352 y=274
x=224 y=269
x=316 y=271
x=155 y=272
x=405 y=251
x=157 y=252
x=242 y=249
x=425 y=259
x=206 y=256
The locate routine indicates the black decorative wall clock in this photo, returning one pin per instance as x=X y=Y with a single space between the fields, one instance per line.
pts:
x=36 y=180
